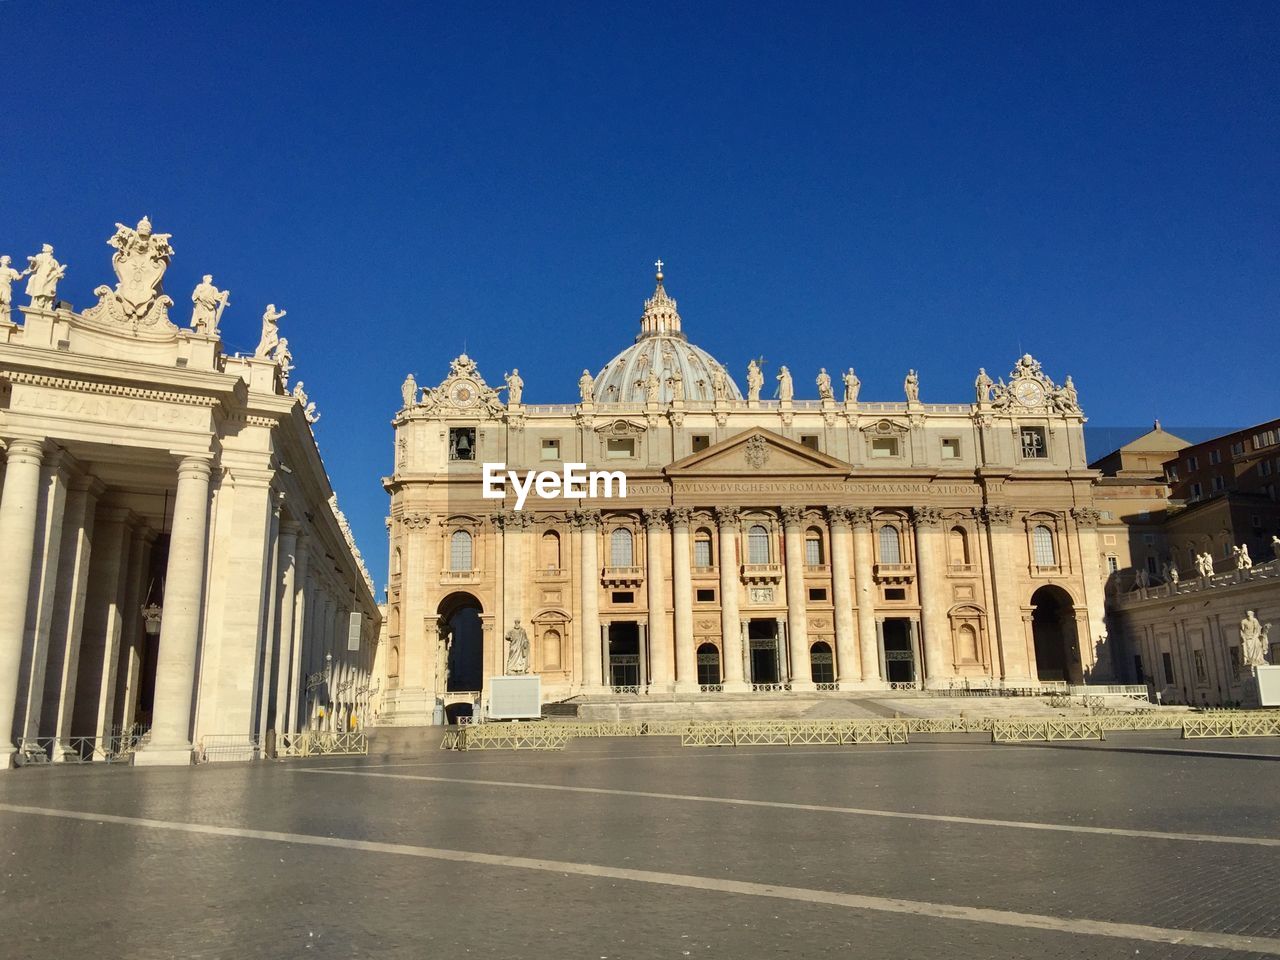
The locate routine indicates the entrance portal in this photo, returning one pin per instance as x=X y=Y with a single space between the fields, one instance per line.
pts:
x=624 y=656
x=463 y=636
x=708 y=665
x=899 y=657
x=1053 y=628
x=762 y=635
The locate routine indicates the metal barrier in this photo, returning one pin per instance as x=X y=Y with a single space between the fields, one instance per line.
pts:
x=227 y=747
x=1232 y=725
x=114 y=749
x=506 y=736
x=317 y=743
x=789 y=732
x=1022 y=731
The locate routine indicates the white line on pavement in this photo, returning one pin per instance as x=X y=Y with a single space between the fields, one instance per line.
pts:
x=852 y=901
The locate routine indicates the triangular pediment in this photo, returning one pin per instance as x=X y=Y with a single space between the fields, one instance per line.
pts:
x=758 y=452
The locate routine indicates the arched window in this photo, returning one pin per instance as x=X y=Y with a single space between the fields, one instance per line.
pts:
x=702 y=553
x=393 y=662
x=758 y=544
x=620 y=552
x=708 y=664
x=967 y=643
x=958 y=547
x=551 y=649
x=813 y=547
x=821 y=664
x=393 y=628
x=460 y=552
x=395 y=562
x=550 y=550
x=890 y=544
x=1042 y=545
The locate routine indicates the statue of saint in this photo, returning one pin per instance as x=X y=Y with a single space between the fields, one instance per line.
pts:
x=586 y=386
x=515 y=387
x=652 y=387
x=851 y=386
x=270 y=332
x=786 y=389
x=755 y=381
x=45 y=273
x=517 y=650
x=1206 y=564
x=283 y=357
x=7 y=276
x=676 y=382
x=1253 y=641
x=911 y=386
x=824 y=385
x=408 y=392
x=1241 y=554
x=719 y=384
x=1070 y=395
x=1140 y=579
x=982 y=386
x=209 y=303
x=1171 y=573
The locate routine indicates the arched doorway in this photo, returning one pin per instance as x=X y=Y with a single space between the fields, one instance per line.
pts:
x=462 y=634
x=1053 y=628
x=822 y=665
x=708 y=665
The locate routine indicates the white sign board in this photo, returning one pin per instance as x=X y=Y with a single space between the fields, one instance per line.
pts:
x=1268 y=686
x=353 y=632
x=515 y=698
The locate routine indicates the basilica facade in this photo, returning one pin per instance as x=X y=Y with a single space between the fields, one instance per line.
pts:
x=763 y=547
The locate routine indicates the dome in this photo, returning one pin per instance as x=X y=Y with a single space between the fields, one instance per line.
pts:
x=663 y=349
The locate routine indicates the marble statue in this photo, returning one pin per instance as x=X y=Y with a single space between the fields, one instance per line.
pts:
x=517 y=650
x=1253 y=641
x=824 y=385
x=586 y=386
x=982 y=386
x=1070 y=395
x=209 y=303
x=755 y=381
x=515 y=387
x=1204 y=563
x=719 y=384
x=308 y=405
x=270 y=332
x=140 y=261
x=7 y=276
x=1242 y=558
x=911 y=386
x=45 y=272
x=851 y=386
x=1171 y=574
x=652 y=387
x=1140 y=579
x=786 y=389
x=676 y=381
x=283 y=357
x=409 y=392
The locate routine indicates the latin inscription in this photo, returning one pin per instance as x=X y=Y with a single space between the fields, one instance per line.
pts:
x=108 y=409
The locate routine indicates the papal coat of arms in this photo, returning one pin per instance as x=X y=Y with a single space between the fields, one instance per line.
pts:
x=757 y=453
x=140 y=261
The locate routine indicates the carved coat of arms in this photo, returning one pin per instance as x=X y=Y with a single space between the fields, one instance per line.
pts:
x=757 y=452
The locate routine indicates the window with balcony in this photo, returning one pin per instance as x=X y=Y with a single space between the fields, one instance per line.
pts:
x=890 y=545
x=621 y=553
x=758 y=544
x=702 y=556
x=460 y=552
x=813 y=548
x=1042 y=546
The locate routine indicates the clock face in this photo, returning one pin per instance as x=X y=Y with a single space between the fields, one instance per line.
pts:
x=1029 y=393
x=463 y=393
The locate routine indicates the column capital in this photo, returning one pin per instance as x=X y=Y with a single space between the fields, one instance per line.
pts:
x=585 y=519
x=196 y=466
x=1086 y=516
x=927 y=516
x=840 y=516
x=680 y=516
x=24 y=450
x=860 y=516
x=656 y=519
x=997 y=513
x=728 y=516
x=290 y=528
x=793 y=515
x=416 y=521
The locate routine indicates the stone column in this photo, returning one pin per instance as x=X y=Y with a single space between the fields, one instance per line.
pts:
x=99 y=644
x=682 y=598
x=931 y=581
x=730 y=624
x=301 y=633
x=842 y=594
x=587 y=524
x=134 y=635
x=797 y=617
x=288 y=602
x=180 y=629
x=864 y=586
x=1014 y=664
x=656 y=524
x=19 y=507
x=1107 y=666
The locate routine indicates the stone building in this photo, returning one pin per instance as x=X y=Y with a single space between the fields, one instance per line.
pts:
x=765 y=546
x=173 y=557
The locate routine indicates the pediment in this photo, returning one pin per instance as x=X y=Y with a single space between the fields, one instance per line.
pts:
x=758 y=452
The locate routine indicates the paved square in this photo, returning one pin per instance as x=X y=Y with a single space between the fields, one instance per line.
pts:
x=1142 y=846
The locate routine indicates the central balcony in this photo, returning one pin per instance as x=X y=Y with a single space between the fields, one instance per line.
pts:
x=759 y=574
x=622 y=576
x=895 y=572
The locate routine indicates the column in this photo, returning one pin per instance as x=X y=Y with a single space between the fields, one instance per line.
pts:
x=18 y=510
x=301 y=627
x=931 y=582
x=730 y=624
x=99 y=643
x=512 y=523
x=180 y=628
x=682 y=599
x=587 y=523
x=842 y=594
x=288 y=614
x=869 y=644
x=797 y=618
x=134 y=633
x=1014 y=663
x=1105 y=663
x=655 y=525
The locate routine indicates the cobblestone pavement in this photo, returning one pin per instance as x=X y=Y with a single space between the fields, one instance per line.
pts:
x=1143 y=846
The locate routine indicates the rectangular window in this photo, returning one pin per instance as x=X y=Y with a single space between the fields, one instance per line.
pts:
x=1196 y=491
x=1202 y=672
x=817 y=593
x=1149 y=539
x=813 y=551
x=706 y=596
x=1264 y=468
x=1218 y=485
x=1151 y=565
x=895 y=593
x=462 y=443
x=1033 y=444
x=550 y=449
x=884 y=447
x=1193 y=464
x=1215 y=458
x=810 y=440
x=622 y=596
x=620 y=448
x=1233 y=655
x=700 y=442
x=702 y=554
x=1167 y=661
x=950 y=449
x=1171 y=472
x=1237 y=448
x=1113 y=563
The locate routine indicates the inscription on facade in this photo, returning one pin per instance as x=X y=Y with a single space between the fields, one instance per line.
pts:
x=124 y=410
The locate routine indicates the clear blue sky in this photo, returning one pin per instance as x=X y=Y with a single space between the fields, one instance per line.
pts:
x=938 y=186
